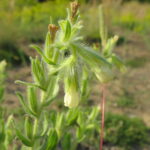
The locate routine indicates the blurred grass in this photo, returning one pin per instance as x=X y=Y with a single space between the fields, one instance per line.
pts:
x=24 y=22
x=137 y=62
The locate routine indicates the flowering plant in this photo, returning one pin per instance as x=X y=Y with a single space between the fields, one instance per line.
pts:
x=64 y=59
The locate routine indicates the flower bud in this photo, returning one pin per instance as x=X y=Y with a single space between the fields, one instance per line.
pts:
x=71 y=98
x=74 y=9
x=53 y=29
x=104 y=74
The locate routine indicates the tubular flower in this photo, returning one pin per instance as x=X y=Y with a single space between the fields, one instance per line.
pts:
x=104 y=74
x=71 y=98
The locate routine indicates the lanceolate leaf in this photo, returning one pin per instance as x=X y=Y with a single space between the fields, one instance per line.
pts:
x=38 y=72
x=28 y=127
x=45 y=124
x=72 y=116
x=88 y=54
x=38 y=49
x=52 y=90
x=24 y=104
x=67 y=30
x=32 y=99
x=66 y=141
x=24 y=139
x=52 y=140
x=63 y=65
x=29 y=84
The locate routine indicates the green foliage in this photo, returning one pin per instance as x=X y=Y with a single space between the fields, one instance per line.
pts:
x=129 y=20
x=124 y=131
x=125 y=101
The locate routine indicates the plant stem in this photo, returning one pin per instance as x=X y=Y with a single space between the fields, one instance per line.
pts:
x=102 y=117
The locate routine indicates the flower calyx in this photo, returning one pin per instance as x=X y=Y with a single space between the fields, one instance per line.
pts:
x=53 y=29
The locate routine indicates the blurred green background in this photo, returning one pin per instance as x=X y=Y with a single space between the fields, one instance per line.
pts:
x=23 y=22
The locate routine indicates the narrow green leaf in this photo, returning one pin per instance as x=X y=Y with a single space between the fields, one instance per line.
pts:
x=28 y=128
x=64 y=64
x=52 y=140
x=24 y=104
x=35 y=71
x=81 y=119
x=32 y=99
x=24 y=139
x=62 y=24
x=67 y=30
x=38 y=49
x=29 y=84
x=66 y=141
x=88 y=54
x=80 y=134
x=52 y=90
x=42 y=54
x=94 y=114
x=72 y=116
x=38 y=72
x=45 y=124
x=85 y=89
x=44 y=144
x=59 y=123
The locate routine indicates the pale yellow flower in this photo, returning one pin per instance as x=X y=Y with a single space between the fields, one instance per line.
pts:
x=71 y=98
